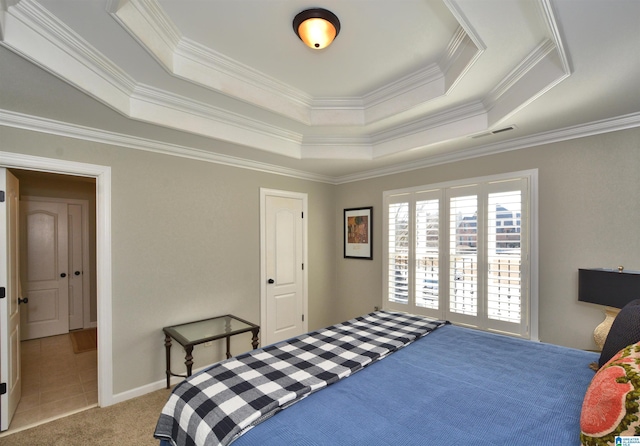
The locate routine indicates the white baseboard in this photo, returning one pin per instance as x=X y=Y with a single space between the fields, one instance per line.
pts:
x=152 y=387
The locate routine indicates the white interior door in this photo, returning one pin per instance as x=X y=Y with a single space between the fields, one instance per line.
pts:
x=79 y=261
x=284 y=276
x=9 y=304
x=45 y=269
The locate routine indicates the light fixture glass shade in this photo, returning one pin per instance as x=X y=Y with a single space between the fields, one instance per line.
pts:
x=316 y=27
x=317 y=33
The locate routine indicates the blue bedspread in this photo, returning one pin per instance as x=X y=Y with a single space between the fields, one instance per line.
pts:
x=216 y=405
x=455 y=386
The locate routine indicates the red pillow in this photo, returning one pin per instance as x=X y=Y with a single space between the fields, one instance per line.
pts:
x=610 y=406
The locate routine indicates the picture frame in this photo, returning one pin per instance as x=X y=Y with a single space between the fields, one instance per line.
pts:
x=358 y=233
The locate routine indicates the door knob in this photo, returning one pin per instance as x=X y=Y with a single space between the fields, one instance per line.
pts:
x=23 y=301
x=77 y=273
x=271 y=281
x=63 y=275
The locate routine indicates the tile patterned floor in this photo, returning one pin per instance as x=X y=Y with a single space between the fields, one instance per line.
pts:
x=55 y=380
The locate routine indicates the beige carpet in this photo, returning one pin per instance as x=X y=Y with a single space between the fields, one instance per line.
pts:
x=84 y=340
x=130 y=423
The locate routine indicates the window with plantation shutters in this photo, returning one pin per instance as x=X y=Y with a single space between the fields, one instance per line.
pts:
x=398 y=254
x=462 y=252
x=463 y=255
x=504 y=254
x=427 y=253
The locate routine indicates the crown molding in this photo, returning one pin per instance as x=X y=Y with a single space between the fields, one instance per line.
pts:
x=58 y=128
x=521 y=86
x=214 y=60
x=43 y=39
x=520 y=72
x=165 y=100
x=356 y=151
x=146 y=21
x=402 y=86
x=52 y=127
x=535 y=75
x=465 y=24
x=579 y=131
x=556 y=35
x=461 y=54
x=457 y=114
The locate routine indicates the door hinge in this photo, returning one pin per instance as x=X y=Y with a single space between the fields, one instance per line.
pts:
x=1 y=196
x=3 y=388
x=3 y=292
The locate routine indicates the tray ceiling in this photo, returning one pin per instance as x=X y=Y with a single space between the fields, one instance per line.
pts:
x=403 y=81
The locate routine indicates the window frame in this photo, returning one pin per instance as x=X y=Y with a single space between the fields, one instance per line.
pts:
x=528 y=328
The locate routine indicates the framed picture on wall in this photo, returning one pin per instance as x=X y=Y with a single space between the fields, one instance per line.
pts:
x=358 y=233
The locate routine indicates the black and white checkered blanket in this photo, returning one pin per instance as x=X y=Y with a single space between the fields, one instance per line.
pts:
x=217 y=405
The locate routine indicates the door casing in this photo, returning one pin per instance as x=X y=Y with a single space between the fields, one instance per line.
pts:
x=102 y=174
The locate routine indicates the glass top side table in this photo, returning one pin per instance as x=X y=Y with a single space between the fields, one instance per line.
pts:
x=198 y=332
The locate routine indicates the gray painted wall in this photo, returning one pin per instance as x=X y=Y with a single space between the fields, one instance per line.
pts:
x=185 y=246
x=185 y=237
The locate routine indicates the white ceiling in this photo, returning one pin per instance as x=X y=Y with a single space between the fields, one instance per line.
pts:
x=406 y=83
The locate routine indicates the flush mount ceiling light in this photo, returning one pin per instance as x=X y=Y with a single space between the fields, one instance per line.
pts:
x=316 y=27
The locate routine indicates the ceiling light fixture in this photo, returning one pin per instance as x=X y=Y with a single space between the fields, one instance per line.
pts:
x=316 y=27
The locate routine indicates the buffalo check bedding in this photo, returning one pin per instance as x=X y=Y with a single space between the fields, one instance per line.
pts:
x=217 y=405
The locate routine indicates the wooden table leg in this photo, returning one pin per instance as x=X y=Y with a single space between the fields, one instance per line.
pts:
x=254 y=340
x=167 y=346
x=228 y=347
x=188 y=359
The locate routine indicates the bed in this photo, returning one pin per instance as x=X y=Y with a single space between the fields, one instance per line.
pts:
x=434 y=384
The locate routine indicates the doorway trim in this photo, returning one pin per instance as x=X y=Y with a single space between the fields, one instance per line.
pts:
x=102 y=174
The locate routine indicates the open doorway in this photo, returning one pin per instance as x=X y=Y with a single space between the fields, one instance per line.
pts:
x=102 y=176
x=58 y=223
